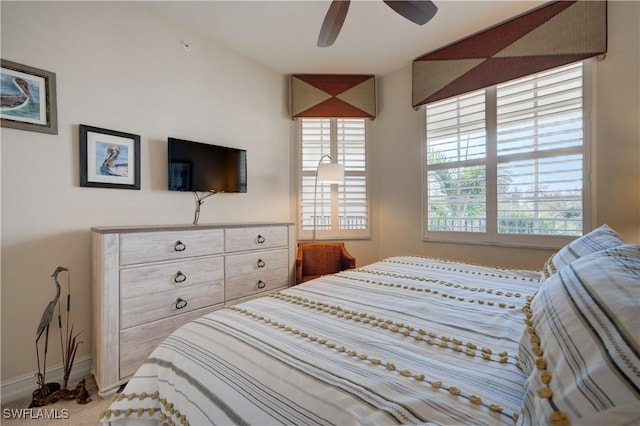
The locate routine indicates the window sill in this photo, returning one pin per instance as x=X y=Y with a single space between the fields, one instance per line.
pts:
x=336 y=237
x=541 y=246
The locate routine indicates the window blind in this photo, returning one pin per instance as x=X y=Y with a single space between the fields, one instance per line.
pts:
x=457 y=199
x=316 y=142
x=510 y=159
x=340 y=210
x=352 y=195
x=456 y=154
x=541 y=118
x=457 y=129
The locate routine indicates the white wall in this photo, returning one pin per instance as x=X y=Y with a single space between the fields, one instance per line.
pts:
x=617 y=118
x=121 y=68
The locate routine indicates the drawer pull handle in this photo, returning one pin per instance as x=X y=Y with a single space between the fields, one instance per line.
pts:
x=179 y=246
x=261 y=284
x=179 y=278
x=260 y=239
x=261 y=263
x=181 y=303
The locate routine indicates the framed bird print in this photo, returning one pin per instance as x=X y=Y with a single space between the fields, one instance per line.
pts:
x=28 y=98
x=109 y=158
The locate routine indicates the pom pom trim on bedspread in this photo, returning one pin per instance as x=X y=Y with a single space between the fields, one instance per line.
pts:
x=557 y=418
x=167 y=414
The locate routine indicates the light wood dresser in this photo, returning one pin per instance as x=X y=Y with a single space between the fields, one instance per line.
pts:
x=148 y=281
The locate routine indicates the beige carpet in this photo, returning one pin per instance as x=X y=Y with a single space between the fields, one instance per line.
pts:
x=60 y=413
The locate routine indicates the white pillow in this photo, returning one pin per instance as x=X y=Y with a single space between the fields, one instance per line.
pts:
x=600 y=238
x=586 y=319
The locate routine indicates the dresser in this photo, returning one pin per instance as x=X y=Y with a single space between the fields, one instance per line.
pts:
x=148 y=281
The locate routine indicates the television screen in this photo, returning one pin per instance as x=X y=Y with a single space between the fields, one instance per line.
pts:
x=200 y=167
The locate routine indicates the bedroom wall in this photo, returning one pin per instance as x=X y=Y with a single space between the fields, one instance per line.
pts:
x=616 y=156
x=121 y=68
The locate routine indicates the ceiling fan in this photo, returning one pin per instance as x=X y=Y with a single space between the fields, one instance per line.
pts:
x=418 y=11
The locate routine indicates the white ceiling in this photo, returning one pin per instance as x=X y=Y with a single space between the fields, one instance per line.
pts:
x=374 y=39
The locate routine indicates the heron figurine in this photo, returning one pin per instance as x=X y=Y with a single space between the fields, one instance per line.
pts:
x=43 y=327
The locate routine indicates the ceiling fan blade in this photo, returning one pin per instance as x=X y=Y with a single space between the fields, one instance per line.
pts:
x=332 y=23
x=418 y=11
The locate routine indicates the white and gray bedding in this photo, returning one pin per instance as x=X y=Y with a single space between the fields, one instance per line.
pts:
x=407 y=340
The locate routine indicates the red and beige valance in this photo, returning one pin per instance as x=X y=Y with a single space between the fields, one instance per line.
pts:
x=333 y=96
x=553 y=35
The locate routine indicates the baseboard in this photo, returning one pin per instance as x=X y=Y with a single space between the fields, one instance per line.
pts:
x=23 y=386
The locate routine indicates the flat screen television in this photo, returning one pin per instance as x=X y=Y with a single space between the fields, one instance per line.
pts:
x=201 y=167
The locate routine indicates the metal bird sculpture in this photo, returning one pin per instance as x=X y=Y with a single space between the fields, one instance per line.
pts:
x=47 y=315
x=48 y=393
x=45 y=320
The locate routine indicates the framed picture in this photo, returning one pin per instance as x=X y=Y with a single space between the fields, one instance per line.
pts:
x=28 y=98
x=109 y=159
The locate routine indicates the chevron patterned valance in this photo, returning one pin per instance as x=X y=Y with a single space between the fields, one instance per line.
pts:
x=556 y=34
x=333 y=96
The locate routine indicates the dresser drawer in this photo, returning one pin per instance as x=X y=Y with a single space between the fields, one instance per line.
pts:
x=151 y=293
x=257 y=282
x=141 y=247
x=162 y=277
x=139 y=310
x=260 y=261
x=138 y=342
x=254 y=238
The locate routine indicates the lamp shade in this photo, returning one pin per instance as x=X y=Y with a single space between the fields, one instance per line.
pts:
x=330 y=173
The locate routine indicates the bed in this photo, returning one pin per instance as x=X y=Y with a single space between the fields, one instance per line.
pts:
x=412 y=340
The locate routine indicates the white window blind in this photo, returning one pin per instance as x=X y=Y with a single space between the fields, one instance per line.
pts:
x=508 y=164
x=456 y=153
x=339 y=211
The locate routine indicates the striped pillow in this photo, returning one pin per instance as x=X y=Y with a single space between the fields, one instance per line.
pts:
x=600 y=238
x=586 y=320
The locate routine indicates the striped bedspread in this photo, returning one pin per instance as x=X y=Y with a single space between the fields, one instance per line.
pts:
x=407 y=340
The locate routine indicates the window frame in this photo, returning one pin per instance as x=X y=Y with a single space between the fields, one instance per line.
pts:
x=334 y=233
x=491 y=237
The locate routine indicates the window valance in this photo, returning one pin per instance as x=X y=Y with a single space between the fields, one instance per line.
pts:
x=333 y=96
x=556 y=34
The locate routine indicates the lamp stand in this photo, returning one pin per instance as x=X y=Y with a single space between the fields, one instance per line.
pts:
x=328 y=173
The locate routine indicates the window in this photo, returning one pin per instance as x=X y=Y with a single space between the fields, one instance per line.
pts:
x=340 y=211
x=509 y=164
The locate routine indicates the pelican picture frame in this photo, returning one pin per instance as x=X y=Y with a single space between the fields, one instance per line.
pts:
x=109 y=158
x=28 y=98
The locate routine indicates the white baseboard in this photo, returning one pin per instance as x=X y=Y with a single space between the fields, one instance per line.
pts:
x=23 y=386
